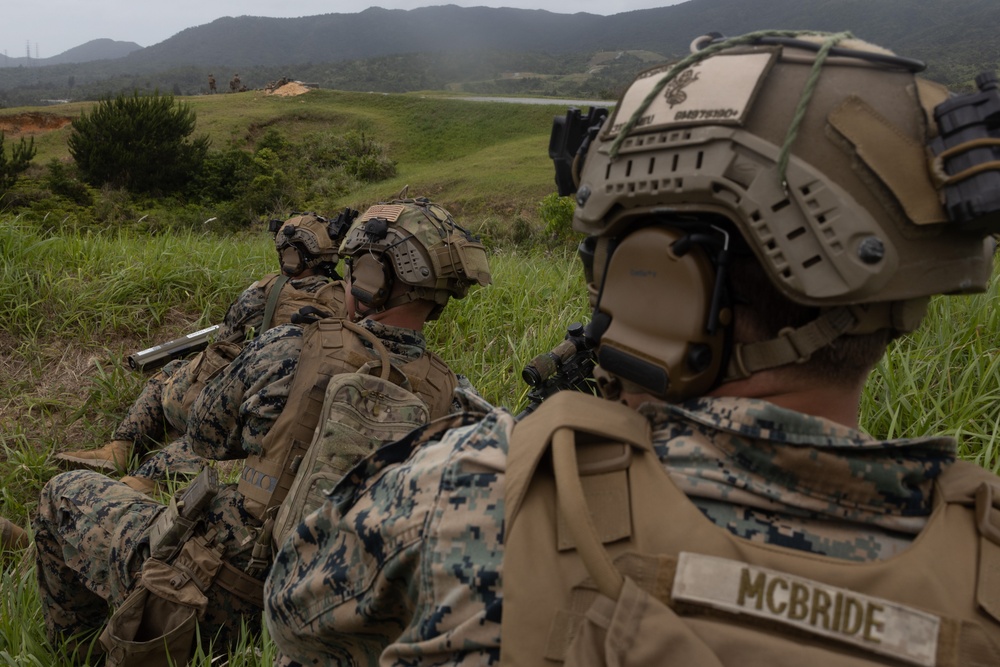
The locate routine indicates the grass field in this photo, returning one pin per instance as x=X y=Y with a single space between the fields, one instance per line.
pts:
x=73 y=304
x=479 y=157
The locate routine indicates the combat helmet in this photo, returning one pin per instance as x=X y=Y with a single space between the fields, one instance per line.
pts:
x=859 y=187
x=311 y=241
x=416 y=243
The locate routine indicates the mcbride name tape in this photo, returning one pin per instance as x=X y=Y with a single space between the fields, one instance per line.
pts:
x=875 y=624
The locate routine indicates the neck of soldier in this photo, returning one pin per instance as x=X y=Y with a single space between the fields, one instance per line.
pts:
x=411 y=315
x=838 y=402
x=835 y=402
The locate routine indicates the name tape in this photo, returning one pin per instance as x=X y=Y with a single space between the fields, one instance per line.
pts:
x=875 y=624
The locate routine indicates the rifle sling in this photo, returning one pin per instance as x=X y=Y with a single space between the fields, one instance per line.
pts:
x=272 y=302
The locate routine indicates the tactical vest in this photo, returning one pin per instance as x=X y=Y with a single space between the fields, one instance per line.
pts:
x=329 y=347
x=183 y=386
x=280 y=305
x=606 y=555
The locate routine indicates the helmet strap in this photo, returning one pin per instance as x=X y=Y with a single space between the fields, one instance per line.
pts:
x=797 y=345
x=792 y=346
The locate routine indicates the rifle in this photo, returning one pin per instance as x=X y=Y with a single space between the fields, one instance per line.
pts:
x=569 y=365
x=158 y=355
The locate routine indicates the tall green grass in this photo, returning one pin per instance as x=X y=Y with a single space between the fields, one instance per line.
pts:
x=72 y=306
x=943 y=378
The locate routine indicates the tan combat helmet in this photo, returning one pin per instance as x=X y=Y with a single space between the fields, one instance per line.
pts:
x=418 y=244
x=860 y=188
x=310 y=241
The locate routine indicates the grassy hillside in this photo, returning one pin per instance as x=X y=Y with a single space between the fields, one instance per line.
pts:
x=483 y=158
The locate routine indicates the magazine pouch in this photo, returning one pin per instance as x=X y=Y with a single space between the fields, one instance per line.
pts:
x=157 y=624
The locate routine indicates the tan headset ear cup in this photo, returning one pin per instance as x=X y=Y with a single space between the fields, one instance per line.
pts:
x=657 y=305
x=292 y=262
x=371 y=281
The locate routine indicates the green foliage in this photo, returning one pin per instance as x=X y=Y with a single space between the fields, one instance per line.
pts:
x=138 y=142
x=282 y=174
x=221 y=173
x=557 y=214
x=361 y=157
x=61 y=181
x=20 y=158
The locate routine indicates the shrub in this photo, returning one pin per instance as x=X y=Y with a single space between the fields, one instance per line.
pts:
x=360 y=157
x=224 y=176
x=557 y=214
x=20 y=158
x=140 y=143
x=60 y=180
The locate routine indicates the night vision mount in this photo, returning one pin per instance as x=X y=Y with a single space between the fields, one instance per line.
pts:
x=571 y=137
x=967 y=155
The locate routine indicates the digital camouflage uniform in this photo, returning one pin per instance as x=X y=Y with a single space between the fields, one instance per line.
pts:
x=149 y=424
x=91 y=531
x=403 y=565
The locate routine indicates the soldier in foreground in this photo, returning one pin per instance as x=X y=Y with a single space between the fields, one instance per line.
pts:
x=763 y=220
x=307 y=248
x=205 y=556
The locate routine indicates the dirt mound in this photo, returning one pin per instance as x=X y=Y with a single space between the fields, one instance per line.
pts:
x=289 y=89
x=31 y=123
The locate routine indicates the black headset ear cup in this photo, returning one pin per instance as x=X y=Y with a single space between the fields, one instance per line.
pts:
x=371 y=280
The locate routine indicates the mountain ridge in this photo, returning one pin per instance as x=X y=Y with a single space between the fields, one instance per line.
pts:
x=96 y=49
x=393 y=50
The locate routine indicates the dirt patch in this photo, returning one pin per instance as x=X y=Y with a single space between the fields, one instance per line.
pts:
x=70 y=394
x=32 y=123
x=290 y=89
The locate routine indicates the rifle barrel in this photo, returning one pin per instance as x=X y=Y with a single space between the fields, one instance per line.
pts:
x=158 y=355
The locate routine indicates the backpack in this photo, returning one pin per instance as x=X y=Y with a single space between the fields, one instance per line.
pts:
x=360 y=411
x=607 y=562
x=330 y=347
x=282 y=302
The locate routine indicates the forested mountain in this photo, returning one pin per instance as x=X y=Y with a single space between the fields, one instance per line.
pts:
x=496 y=50
x=96 y=49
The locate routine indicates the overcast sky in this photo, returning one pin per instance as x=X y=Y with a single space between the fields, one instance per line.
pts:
x=54 y=26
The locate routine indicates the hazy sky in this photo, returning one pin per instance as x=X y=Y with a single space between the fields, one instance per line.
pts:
x=55 y=26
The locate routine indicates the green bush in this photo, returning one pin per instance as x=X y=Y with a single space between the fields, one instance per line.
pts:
x=61 y=181
x=557 y=214
x=20 y=158
x=359 y=156
x=140 y=143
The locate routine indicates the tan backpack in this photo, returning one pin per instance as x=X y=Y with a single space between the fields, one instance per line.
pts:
x=282 y=302
x=360 y=411
x=606 y=562
x=330 y=347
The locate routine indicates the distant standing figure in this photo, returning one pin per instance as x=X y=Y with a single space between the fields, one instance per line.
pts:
x=211 y=84
x=234 y=83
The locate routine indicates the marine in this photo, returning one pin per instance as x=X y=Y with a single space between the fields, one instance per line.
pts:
x=718 y=503
x=99 y=542
x=306 y=245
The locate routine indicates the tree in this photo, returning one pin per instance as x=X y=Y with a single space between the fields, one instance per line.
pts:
x=21 y=155
x=138 y=142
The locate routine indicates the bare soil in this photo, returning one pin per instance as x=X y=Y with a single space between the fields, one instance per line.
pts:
x=32 y=123
x=290 y=89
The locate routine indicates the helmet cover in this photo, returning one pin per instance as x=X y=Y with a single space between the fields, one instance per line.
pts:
x=417 y=243
x=819 y=152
